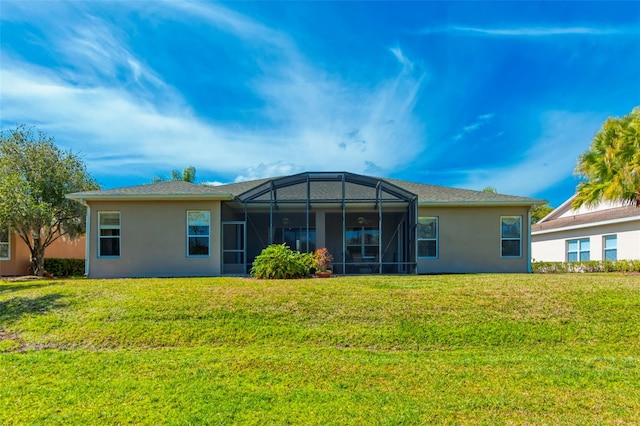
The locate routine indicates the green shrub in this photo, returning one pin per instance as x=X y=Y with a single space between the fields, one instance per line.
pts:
x=64 y=267
x=279 y=261
x=586 y=266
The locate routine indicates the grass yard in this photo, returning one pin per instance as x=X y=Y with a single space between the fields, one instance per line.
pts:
x=464 y=349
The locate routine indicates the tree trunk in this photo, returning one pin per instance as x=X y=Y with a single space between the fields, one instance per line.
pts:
x=37 y=258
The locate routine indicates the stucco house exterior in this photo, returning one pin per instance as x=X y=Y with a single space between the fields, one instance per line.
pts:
x=369 y=224
x=606 y=231
x=15 y=255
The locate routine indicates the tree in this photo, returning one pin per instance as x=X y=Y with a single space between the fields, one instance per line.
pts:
x=611 y=166
x=539 y=212
x=188 y=175
x=490 y=190
x=35 y=177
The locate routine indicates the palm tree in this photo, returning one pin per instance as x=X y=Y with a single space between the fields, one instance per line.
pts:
x=187 y=175
x=611 y=166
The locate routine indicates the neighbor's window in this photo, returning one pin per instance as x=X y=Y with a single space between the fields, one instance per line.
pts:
x=198 y=236
x=108 y=234
x=511 y=236
x=610 y=244
x=578 y=250
x=5 y=249
x=427 y=237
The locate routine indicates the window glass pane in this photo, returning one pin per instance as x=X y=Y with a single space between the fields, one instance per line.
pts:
x=109 y=219
x=511 y=227
x=371 y=251
x=198 y=246
x=4 y=235
x=611 y=254
x=572 y=257
x=198 y=218
x=584 y=244
x=370 y=236
x=4 y=250
x=109 y=246
x=611 y=242
x=198 y=230
x=511 y=248
x=354 y=236
x=572 y=245
x=427 y=248
x=353 y=250
x=584 y=256
x=427 y=227
x=109 y=232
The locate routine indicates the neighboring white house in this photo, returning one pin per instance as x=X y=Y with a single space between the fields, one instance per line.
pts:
x=606 y=231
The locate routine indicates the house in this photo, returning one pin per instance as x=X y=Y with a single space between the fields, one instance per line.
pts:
x=369 y=224
x=605 y=231
x=15 y=257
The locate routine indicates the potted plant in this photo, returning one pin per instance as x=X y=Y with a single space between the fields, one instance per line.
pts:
x=323 y=258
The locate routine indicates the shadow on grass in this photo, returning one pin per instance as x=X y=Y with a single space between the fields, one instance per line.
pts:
x=11 y=287
x=14 y=308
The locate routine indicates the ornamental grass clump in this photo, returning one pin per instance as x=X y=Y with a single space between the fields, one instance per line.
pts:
x=278 y=261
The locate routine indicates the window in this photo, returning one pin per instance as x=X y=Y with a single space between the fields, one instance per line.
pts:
x=610 y=244
x=427 y=237
x=511 y=236
x=198 y=235
x=296 y=238
x=578 y=250
x=5 y=248
x=108 y=234
x=363 y=243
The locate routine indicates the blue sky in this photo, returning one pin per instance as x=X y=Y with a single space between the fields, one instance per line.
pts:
x=464 y=94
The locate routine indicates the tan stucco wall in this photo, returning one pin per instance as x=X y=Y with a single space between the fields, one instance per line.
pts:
x=469 y=240
x=66 y=248
x=18 y=264
x=154 y=240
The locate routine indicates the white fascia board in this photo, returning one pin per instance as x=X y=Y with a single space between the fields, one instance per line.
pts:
x=558 y=210
x=587 y=225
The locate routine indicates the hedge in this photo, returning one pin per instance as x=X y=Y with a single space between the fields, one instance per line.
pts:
x=64 y=267
x=587 y=266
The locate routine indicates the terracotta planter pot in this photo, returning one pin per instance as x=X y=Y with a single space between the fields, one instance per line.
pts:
x=325 y=274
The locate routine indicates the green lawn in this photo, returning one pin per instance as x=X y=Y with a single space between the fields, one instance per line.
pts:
x=463 y=349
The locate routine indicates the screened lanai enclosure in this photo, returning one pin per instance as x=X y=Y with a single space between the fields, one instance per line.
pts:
x=367 y=224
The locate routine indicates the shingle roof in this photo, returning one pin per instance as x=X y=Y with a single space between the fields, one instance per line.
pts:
x=169 y=189
x=427 y=194
x=588 y=218
x=443 y=195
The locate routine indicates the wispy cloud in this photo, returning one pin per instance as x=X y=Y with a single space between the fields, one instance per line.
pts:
x=479 y=122
x=313 y=120
x=550 y=160
x=542 y=31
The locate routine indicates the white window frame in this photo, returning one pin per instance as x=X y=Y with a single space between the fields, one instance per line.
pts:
x=436 y=239
x=207 y=236
x=118 y=237
x=503 y=238
x=7 y=244
x=580 y=250
x=605 y=249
